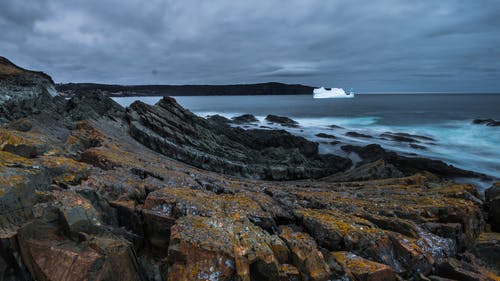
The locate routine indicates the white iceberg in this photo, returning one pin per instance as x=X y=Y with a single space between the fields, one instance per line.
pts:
x=322 y=93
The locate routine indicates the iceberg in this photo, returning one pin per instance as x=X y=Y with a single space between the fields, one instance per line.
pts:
x=322 y=93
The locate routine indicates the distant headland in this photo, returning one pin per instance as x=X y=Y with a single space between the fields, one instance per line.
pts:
x=269 y=88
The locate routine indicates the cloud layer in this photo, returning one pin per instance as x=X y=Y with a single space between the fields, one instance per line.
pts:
x=373 y=46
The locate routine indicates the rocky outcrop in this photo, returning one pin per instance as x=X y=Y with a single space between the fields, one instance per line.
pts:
x=171 y=130
x=22 y=92
x=406 y=165
x=81 y=199
x=361 y=269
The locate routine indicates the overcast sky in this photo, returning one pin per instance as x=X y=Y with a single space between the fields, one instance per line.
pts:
x=373 y=46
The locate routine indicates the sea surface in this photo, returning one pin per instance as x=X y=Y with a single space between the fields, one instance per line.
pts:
x=447 y=118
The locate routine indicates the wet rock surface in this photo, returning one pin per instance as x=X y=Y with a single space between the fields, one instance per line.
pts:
x=407 y=165
x=245 y=118
x=487 y=122
x=88 y=197
x=283 y=121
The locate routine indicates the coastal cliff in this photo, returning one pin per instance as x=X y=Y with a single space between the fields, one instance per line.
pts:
x=90 y=190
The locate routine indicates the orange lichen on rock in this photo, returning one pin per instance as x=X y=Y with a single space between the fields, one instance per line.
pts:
x=361 y=269
x=222 y=249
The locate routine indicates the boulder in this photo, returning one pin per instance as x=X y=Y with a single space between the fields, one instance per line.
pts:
x=218 y=119
x=282 y=120
x=245 y=118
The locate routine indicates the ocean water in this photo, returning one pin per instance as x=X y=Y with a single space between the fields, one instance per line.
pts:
x=447 y=118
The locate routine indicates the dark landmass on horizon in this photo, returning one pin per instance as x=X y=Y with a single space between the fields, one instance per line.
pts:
x=256 y=89
x=269 y=88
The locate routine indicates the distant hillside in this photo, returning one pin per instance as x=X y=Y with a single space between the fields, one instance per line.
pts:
x=271 y=88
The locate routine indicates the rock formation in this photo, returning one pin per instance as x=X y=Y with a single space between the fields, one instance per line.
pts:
x=86 y=195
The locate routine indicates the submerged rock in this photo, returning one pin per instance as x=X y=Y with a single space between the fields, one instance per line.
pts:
x=358 y=135
x=405 y=137
x=325 y=136
x=487 y=122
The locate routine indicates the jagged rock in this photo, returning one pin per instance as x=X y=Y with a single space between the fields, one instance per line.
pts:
x=93 y=105
x=460 y=270
x=95 y=203
x=17 y=191
x=50 y=256
x=408 y=165
x=202 y=248
x=178 y=202
x=245 y=118
x=305 y=255
x=176 y=132
x=23 y=92
x=282 y=120
x=218 y=119
x=360 y=269
x=336 y=231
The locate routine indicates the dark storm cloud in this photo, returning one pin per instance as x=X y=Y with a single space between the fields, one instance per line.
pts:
x=383 y=45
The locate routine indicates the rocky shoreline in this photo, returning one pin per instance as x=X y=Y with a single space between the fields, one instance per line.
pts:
x=93 y=191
